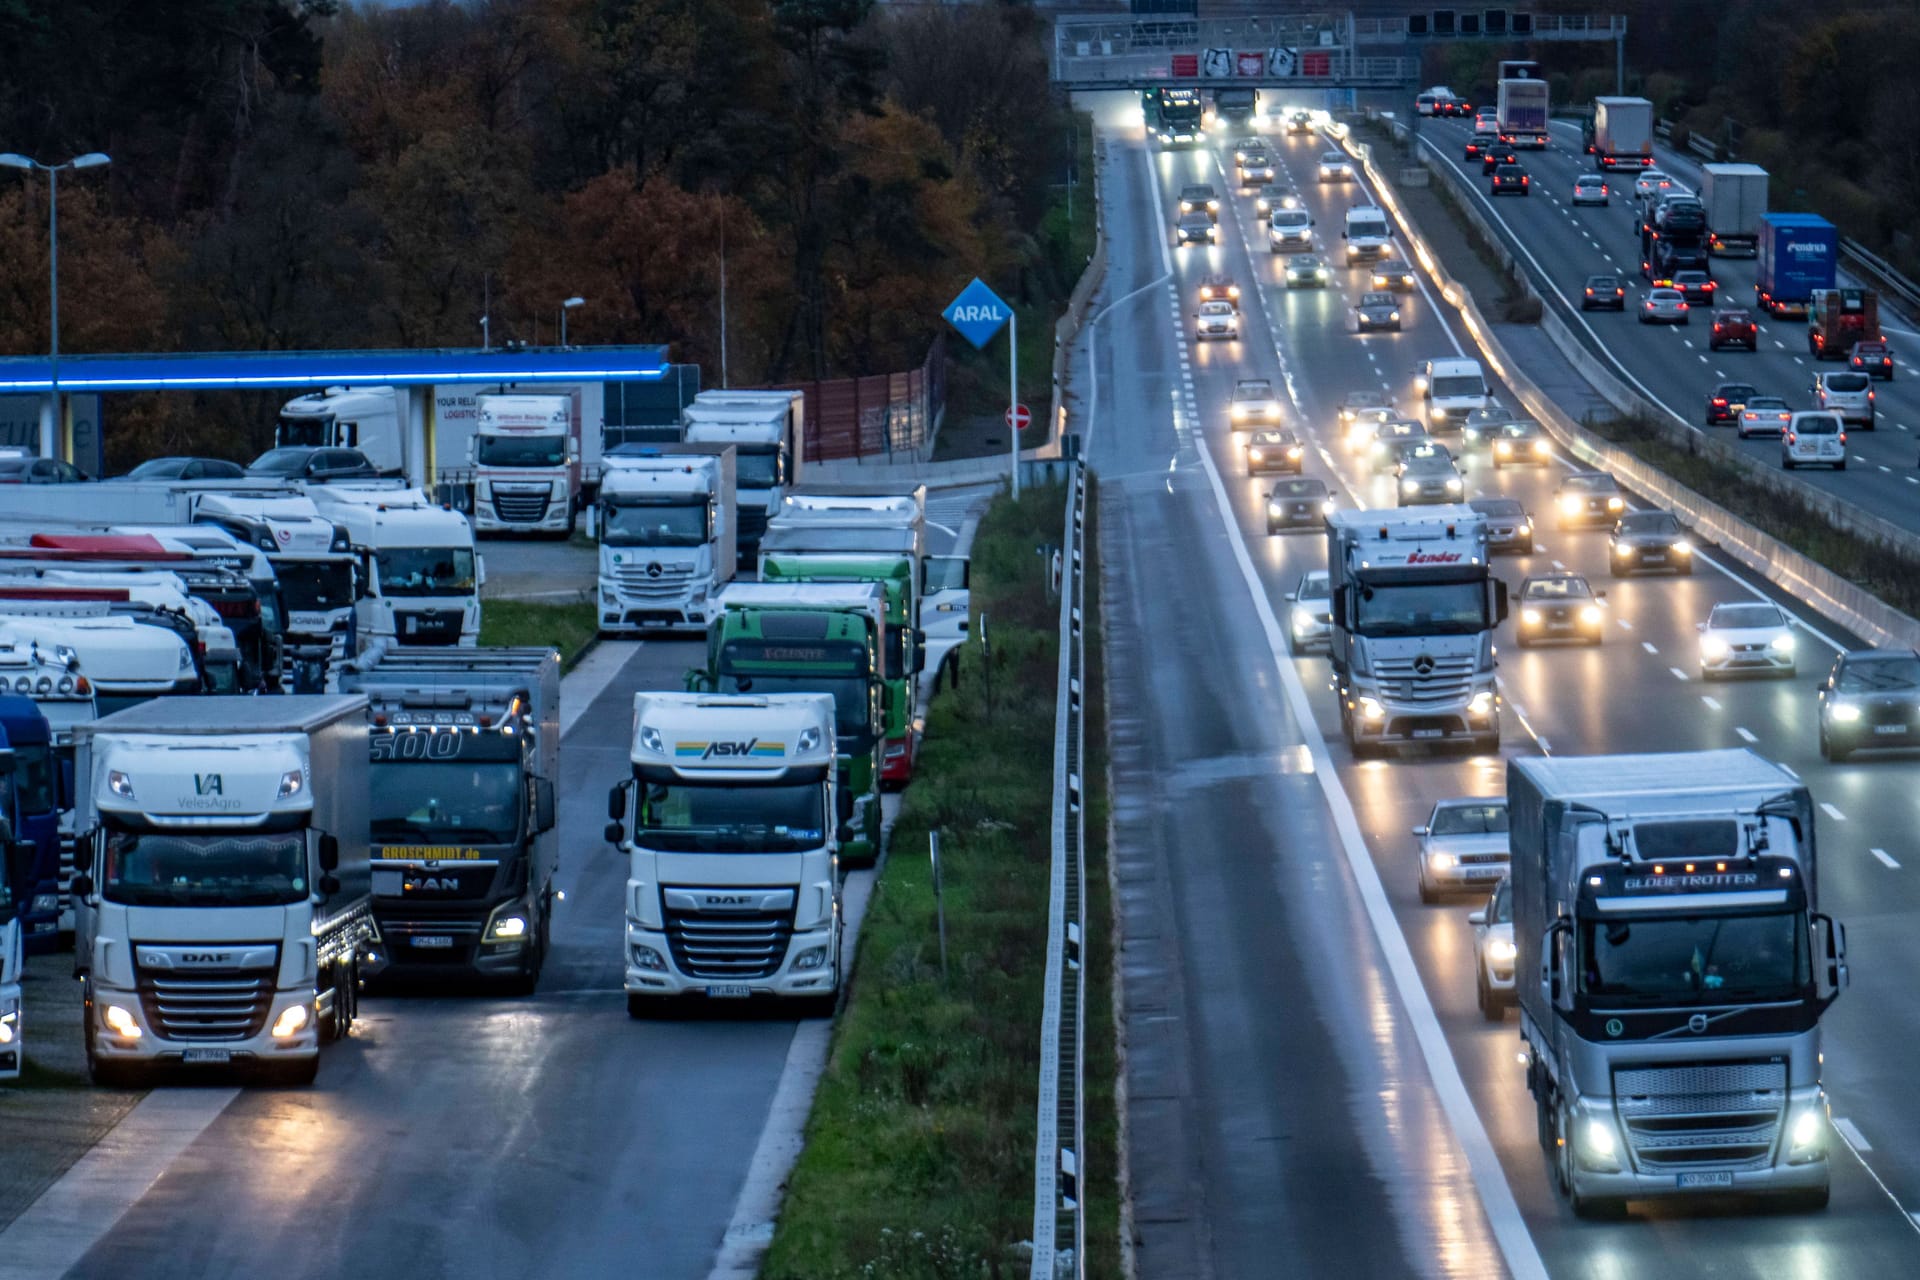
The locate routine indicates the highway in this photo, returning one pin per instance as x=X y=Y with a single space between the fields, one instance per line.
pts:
x=1562 y=245
x=1300 y=1026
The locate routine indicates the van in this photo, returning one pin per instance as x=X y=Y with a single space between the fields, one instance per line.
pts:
x=1848 y=394
x=1290 y=231
x=1814 y=438
x=1451 y=389
x=1367 y=233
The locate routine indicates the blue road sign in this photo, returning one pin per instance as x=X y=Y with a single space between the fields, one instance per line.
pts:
x=978 y=313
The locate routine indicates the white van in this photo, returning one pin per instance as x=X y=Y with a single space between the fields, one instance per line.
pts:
x=1368 y=233
x=1451 y=390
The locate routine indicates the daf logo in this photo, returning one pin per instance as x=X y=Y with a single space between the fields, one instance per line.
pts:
x=729 y=900
x=1697 y=1023
x=206 y=957
x=1423 y=665
x=654 y=570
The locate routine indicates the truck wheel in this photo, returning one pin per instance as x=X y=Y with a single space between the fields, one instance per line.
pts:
x=112 y=1075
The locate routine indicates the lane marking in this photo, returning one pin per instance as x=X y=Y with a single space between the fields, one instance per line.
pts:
x=1851 y=1134
x=1885 y=857
x=1624 y=624
x=1713 y=703
x=1678 y=674
x=1648 y=646
x=1745 y=733
x=1790 y=772
x=1832 y=812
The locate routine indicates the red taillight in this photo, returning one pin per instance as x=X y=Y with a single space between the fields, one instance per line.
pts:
x=1683 y=306
x=1843 y=437
x=1718 y=403
x=1712 y=285
x=1589 y=293
x=1792 y=438
x=1524 y=180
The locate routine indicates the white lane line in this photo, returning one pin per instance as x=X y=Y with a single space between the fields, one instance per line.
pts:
x=1624 y=624
x=76 y=1212
x=1832 y=812
x=1745 y=733
x=1789 y=771
x=1509 y=1227
x=1678 y=674
x=1851 y=1134
x=1558 y=565
x=1648 y=646
x=1885 y=858
x=1712 y=703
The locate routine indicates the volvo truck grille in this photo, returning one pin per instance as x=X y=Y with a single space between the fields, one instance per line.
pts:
x=521 y=508
x=206 y=1004
x=725 y=945
x=1727 y=1115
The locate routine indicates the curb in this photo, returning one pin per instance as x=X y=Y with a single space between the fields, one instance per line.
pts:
x=1858 y=609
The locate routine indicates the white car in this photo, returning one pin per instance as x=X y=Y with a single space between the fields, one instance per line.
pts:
x=1494 y=953
x=1463 y=845
x=1335 y=167
x=1749 y=636
x=1310 y=619
x=1305 y=271
x=1591 y=188
x=1217 y=320
x=1664 y=306
x=1848 y=394
x=1486 y=123
x=1651 y=182
x=1289 y=229
x=1253 y=403
x=1763 y=416
x=1815 y=437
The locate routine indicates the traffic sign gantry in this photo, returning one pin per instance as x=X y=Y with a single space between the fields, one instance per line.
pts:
x=1019 y=416
x=978 y=313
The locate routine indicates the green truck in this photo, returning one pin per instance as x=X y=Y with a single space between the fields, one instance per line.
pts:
x=770 y=638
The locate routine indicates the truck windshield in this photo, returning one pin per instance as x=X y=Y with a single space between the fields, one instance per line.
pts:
x=315 y=586
x=654 y=524
x=1461 y=386
x=437 y=801
x=303 y=432
x=1421 y=609
x=1696 y=959
x=519 y=451
x=182 y=869
x=425 y=571
x=760 y=468
x=685 y=817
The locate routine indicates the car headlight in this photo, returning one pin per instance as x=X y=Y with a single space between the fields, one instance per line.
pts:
x=1540 y=447
x=1531 y=617
x=1782 y=643
x=1501 y=951
x=1504 y=449
x=1302 y=618
x=1526 y=530
x=1681 y=547
x=1844 y=712
x=1326 y=507
x=1441 y=861
x=1409 y=486
x=1616 y=504
x=1239 y=411
x=1570 y=503
x=1255 y=455
x=1395 y=317
x=1713 y=648
x=1295 y=452
x=1622 y=549
x=1453 y=486
x=1371 y=709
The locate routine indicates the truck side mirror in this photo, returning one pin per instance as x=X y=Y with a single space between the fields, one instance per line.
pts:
x=543 y=804
x=329 y=884
x=83 y=850
x=615 y=833
x=617 y=801
x=1835 y=950
x=82 y=886
x=919 y=652
x=1552 y=976
x=1339 y=602
x=843 y=805
x=329 y=852
x=7 y=764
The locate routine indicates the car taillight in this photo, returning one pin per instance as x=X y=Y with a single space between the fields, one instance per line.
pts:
x=1712 y=285
x=1589 y=293
x=1792 y=438
x=1718 y=403
x=1843 y=437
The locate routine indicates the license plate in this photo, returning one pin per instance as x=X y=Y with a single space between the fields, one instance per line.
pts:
x=432 y=942
x=1485 y=873
x=731 y=991
x=207 y=1055
x=1889 y=728
x=1429 y=733
x=1656 y=557
x=1698 y=1181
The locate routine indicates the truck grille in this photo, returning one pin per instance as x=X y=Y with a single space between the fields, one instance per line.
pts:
x=653 y=581
x=1450 y=680
x=442 y=626
x=521 y=508
x=1726 y=1115
x=403 y=935
x=729 y=946
x=207 y=1004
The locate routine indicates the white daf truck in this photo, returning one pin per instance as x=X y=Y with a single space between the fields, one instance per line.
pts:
x=1672 y=969
x=530 y=460
x=224 y=884
x=667 y=520
x=420 y=572
x=733 y=886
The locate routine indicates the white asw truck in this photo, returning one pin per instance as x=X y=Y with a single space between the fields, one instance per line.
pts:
x=1414 y=606
x=668 y=519
x=224 y=876
x=530 y=461
x=768 y=430
x=1672 y=970
x=733 y=885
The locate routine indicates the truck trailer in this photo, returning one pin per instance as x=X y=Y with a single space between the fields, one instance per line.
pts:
x=226 y=913
x=1799 y=254
x=1736 y=199
x=1521 y=110
x=1838 y=318
x=1620 y=133
x=1673 y=967
x=768 y=432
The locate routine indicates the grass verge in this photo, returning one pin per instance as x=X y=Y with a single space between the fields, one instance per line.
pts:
x=919 y=1153
x=570 y=627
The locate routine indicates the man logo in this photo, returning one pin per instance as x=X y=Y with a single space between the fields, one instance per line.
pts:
x=208 y=784
x=730 y=749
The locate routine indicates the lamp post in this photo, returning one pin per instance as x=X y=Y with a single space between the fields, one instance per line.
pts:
x=50 y=412
x=565 y=307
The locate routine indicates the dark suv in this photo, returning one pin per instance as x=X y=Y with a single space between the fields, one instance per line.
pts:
x=1871 y=698
x=1725 y=402
x=1496 y=154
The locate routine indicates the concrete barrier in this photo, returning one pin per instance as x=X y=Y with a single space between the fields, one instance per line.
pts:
x=1068 y=326
x=1856 y=608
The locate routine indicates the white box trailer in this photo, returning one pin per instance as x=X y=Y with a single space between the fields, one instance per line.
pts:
x=768 y=430
x=1736 y=199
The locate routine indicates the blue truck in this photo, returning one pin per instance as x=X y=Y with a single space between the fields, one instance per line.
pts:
x=32 y=809
x=1797 y=256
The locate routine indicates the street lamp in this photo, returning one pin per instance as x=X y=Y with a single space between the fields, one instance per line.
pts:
x=91 y=160
x=565 y=307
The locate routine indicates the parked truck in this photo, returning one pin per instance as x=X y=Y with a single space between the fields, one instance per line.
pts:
x=1798 y=256
x=1520 y=106
x=732 y=884
x=1673 y=966
x=222 y=866
x=1620 y=133
x=532 y=464
x=668 y=519
x=422 y=585
x=465 y=754
x=1413 y=610
x=31 y=802
x=768 y=432
x=1736 y=199
x=773 y=637
x=1838 y=318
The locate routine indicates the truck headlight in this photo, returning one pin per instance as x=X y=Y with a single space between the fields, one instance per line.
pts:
x=1371 y=709
x=1481 y=703
x=648 y=958
x=507 y=928
x=291 y=783
x=1439 y=414
x=120 y=784
x=1807 y=1129
x=811 y=958
x=1501 y=951
x=120 y=1022
x=1596 y=1136
x=9 y=1024
x=1844 y=712
x=45 y=902
x=291 y=1022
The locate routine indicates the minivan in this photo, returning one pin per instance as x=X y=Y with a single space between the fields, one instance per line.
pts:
x=1289 y=230
x=1848 y=394
x=1814 y=437
x=1452 y=388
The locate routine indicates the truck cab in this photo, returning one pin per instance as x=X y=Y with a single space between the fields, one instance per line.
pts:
x=419 y=572
x=33 y=817
x=313 y=567
x=733 y=886
x=526 y=464
x=363 y=418
x=768 y=432
x=667 y=521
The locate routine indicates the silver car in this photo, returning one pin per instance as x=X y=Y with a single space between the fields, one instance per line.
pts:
x=1335 y=167
x=1462 y=846
x=1591 y=188
x=1651 y=182
x=1750 y=636
x=1216 y=320
x=1764 y=416
x=1664 y=306
x=1310 y=617
x=1494 y=953
x=1848 y=394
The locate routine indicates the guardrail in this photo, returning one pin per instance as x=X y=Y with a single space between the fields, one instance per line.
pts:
x=1059 y=1221
x=1881 y=273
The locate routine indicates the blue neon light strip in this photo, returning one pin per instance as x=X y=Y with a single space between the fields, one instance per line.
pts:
x=224 y=369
